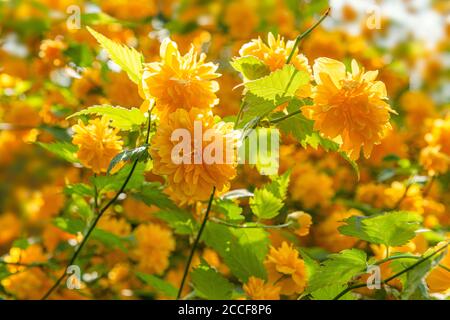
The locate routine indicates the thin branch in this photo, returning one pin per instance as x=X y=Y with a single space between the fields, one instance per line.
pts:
x=254 y=226
x=421 y=260
x=99 y=215
x=286 y=116
x=305 y=34
x=197 y=240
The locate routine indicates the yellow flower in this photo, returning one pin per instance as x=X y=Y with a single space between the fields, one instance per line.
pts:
x=349 y=106
x=418 y=107
x=286 y=269
x=434 y=161
x=256 y=289
x=130 y=10
x=241 y=18
x=275 y=53
x=190 y=179
x=440 y=135
x=98 y=144
x=311 y=187
x=327 y=235
x=179 y=81
x=303 y=221
x=438 y=280
x=117 y=226
x=154 y=246
x=9 y=228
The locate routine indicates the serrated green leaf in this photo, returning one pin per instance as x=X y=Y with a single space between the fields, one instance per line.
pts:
x=151 y=193
x=229 y=209
x=265 y=205
x=281 y=83
x=210 y=284
x=125 y=57
x=80 y=189
x=412 y=279
x=251 y=67
x=109 y=239
x=243 y=250
x=121 y=118
x=330 y=292
x=339 y=269
x=158 y=284
x=391 y=229
x=179 y=220
x=279 y=185
x=267 y=202
x=298 y=125
x=63 y=150
x=115 y=182
x=139 y=154
x=72 y=226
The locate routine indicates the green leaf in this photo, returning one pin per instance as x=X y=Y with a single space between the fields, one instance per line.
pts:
x=80 y=54
x=63 y=150
x=158 y=284
x=279 y=185
x=281 y=83
x=125 y=57
x=339 y=269
x=229 y=209
x=330 y=292
x=139 y=153
x=80 y=189
x=81 y=207
x=300 y=127
x=243 y=250
x=391 y=229
x=20 y=243
x=268 y=201
x=251 y=67
x=69 y=225
x=179 y=220
x=151 y=193
x=109 y=239
x=412 y=279
x=115 y=182
x=210 y=284
x=265 y=205
x=122 y=118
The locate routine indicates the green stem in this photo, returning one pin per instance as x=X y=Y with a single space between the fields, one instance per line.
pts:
x=286 y=116
x=421 y=260
x=97 y=219
x=255 y=226
x=238 y=117
x=197 y=240
x=305 y=34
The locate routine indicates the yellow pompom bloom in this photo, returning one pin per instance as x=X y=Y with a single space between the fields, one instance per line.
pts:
x=10 y=226
x=179 y=81
x=256 y=289
x=154 y=246
x=303 y=222
x=440 y=135
x=327 y=235
x=275 y=53
x=434 y=161
x=349 y=106
x=311 y=187
x=286 y=269
x=438 y=280
x=191 y=173
x=98 y=143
